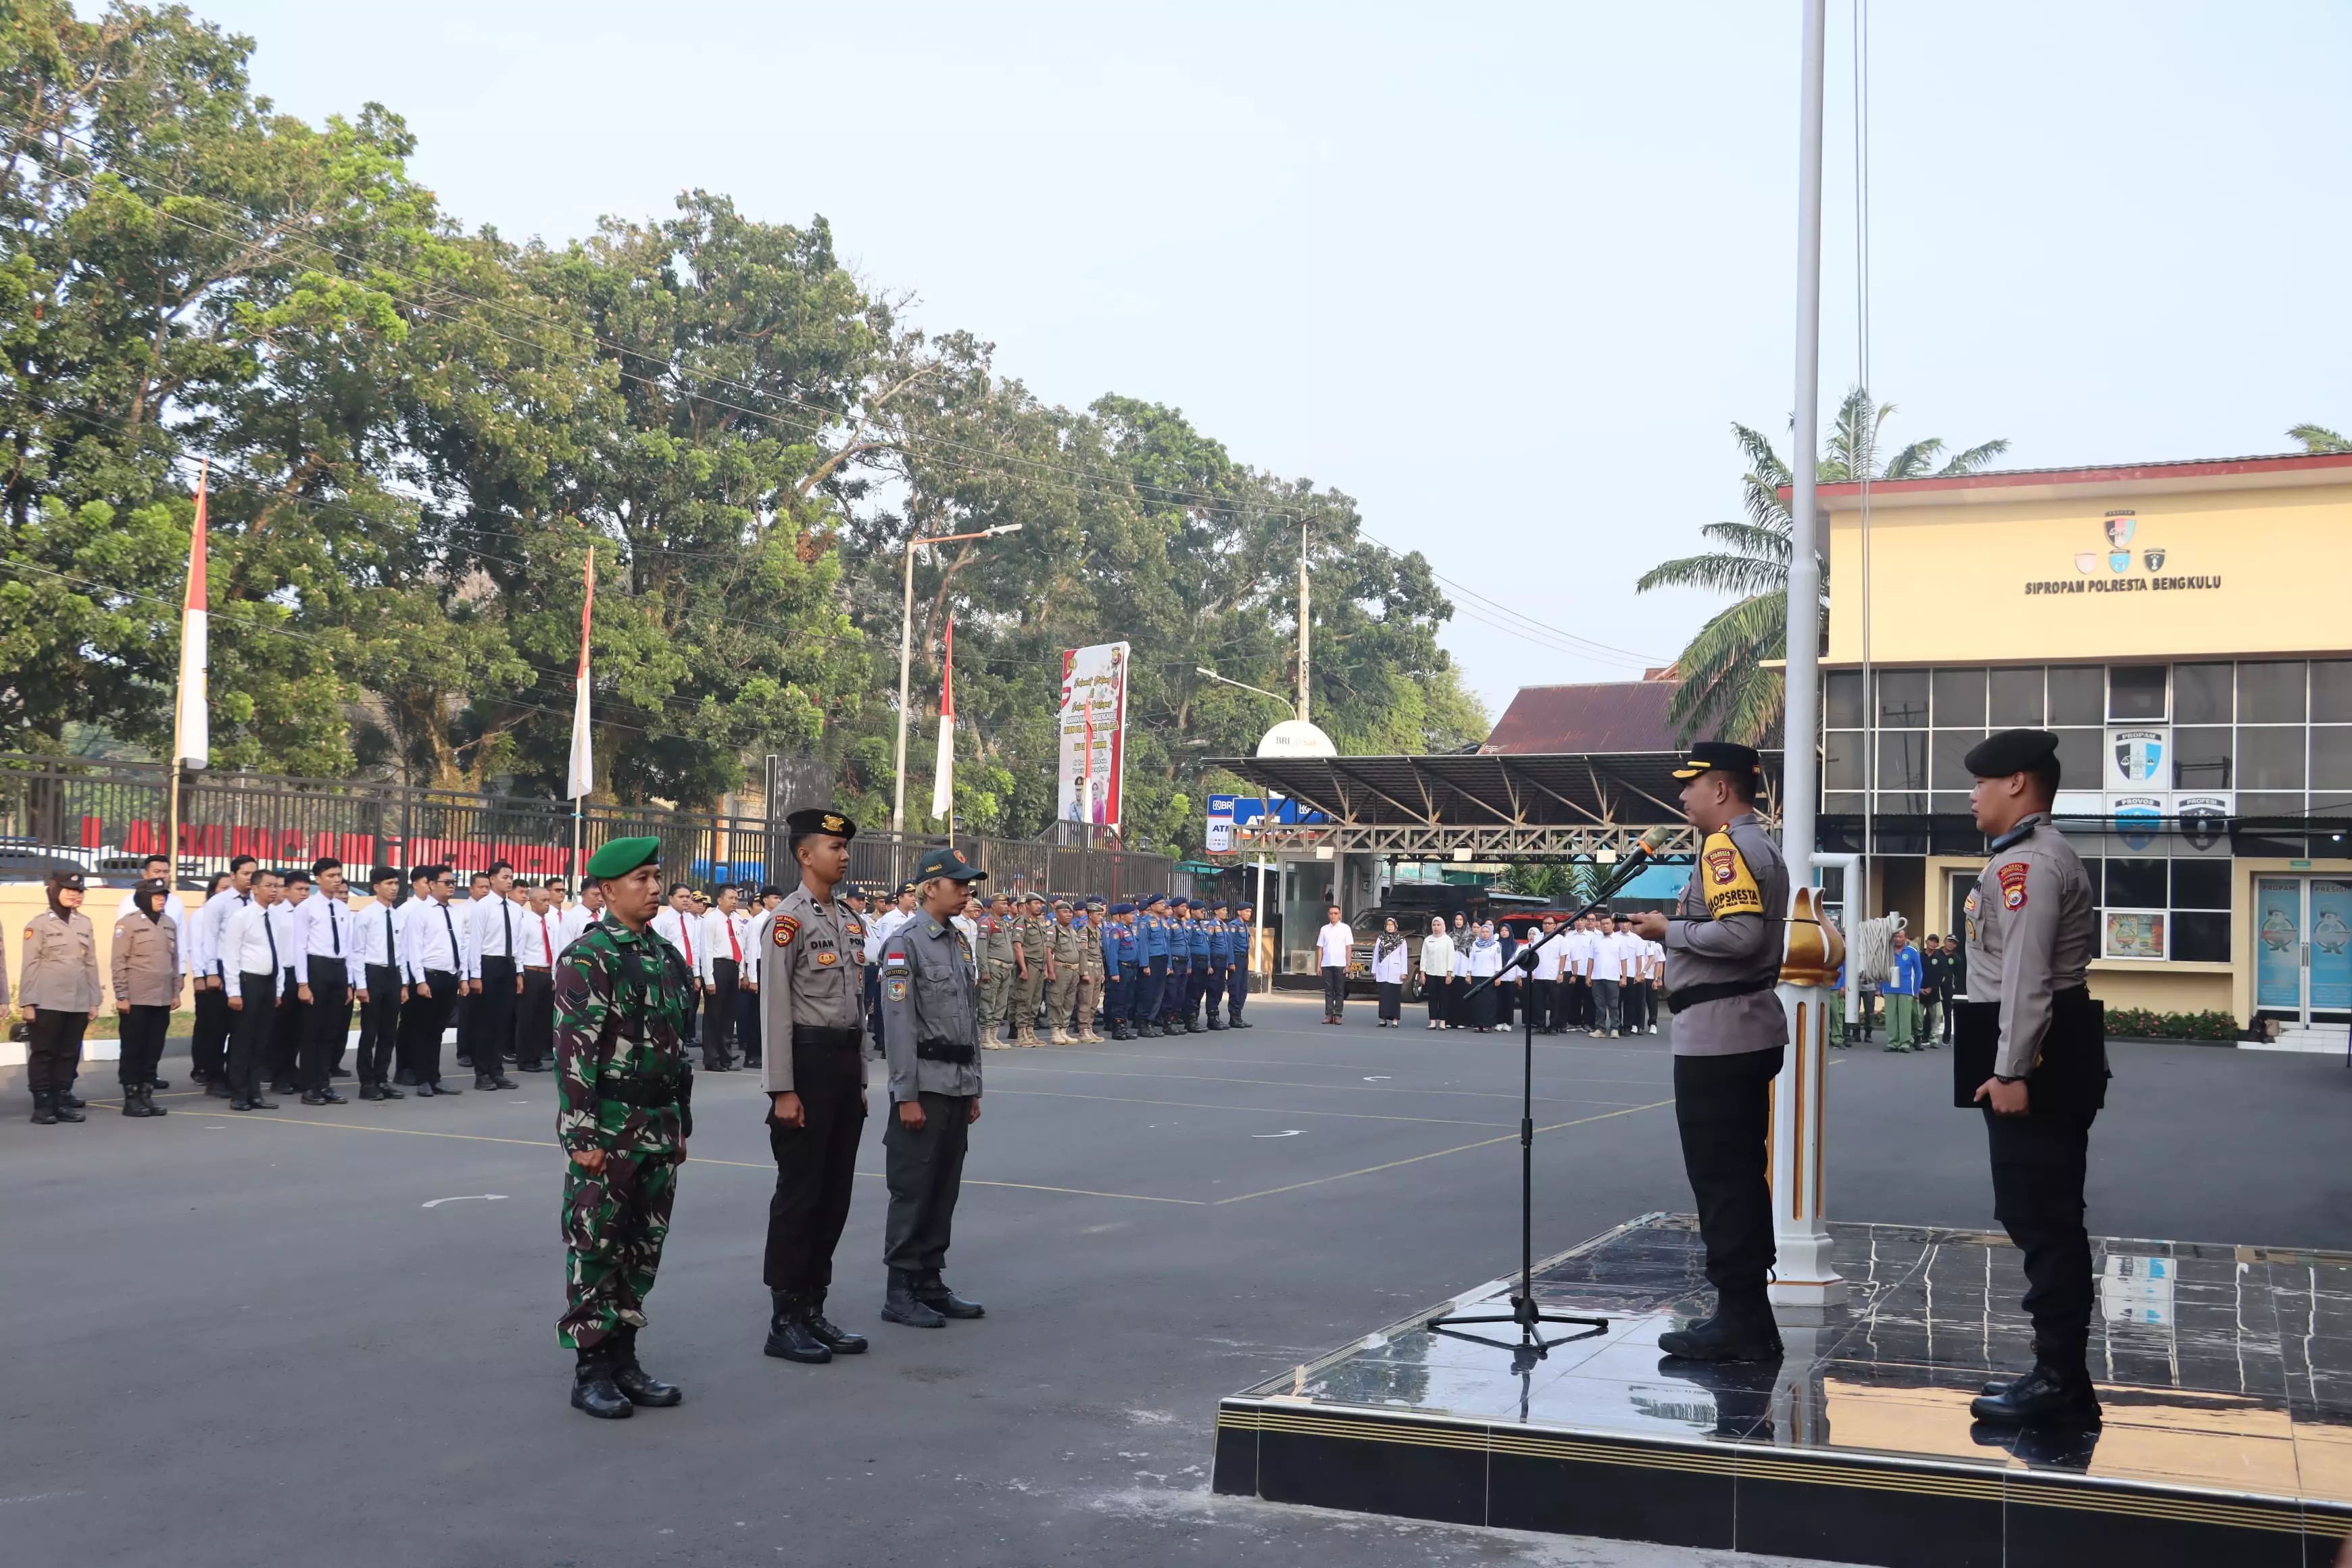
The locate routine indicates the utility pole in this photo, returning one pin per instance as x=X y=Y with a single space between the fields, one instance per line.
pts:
x=1302 y=623
x=907 y=659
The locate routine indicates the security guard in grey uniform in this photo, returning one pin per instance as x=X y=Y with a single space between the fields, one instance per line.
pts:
x=931 y=1008
x=812 y=1037
x=1723 y=949
x=2029 y=1046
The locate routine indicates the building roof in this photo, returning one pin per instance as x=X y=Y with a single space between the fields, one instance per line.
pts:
x=2288 y=468
x=1621 y=716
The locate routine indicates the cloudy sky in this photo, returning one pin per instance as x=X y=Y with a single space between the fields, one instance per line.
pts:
x=1506 y=274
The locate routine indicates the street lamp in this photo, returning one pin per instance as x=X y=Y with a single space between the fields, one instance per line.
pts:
x=907 y=655
x=1245 y=686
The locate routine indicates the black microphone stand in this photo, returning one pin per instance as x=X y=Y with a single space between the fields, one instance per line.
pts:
x=1532 y=1346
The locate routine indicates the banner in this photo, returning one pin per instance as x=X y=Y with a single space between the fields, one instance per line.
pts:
x=1094 y=734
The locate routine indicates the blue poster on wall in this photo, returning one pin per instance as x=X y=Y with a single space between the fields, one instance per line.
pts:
x=2331 y=944
x=2278 y=939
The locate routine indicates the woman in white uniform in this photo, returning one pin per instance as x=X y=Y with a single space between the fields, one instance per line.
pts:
x=1436 y=969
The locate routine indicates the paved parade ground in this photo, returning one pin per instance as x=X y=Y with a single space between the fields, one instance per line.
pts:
x=268 y=1340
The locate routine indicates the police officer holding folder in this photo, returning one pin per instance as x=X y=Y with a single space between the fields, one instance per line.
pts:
x=2030 y=1046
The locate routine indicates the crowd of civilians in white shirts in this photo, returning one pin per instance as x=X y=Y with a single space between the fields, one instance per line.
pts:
x=1596 y=975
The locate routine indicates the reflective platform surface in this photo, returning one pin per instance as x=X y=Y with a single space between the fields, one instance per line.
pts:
x=2225 y=1374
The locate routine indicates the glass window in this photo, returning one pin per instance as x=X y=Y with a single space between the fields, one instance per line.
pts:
x=1842 y=760
x=1903 y=762
x=1959 y=699
x=2136 y=692
x=2201 y=884
x=2201 y=757
x=2251 y=804
x=2094 y=868
x=2078 y=695
x=1903 y=700
x=2201 y=938
x=2137 y=884
x=1844 y=703
x=1947 y=766
x=2078 y=758
x=2271 y=758
x=2271 y=693
x=2331 y=756
x=2017 y=698
x=2331 y=691
x=2201 y=694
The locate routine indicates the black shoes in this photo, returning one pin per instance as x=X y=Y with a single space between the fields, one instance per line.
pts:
x=790 y=1335
x=1195 y=1027
x=45 y=1110
x=535 y=1067
x=1743 y=1334
x=1217 y=1025
x=312 y=1097
x=901 y=1305
x=830 y=1335
x=69 y=1100
x=593 y=1390
x=2045 y=1397
x=258 y=1103
x=637 y=1385
x=480 y=1081
x=1241 y=1024
x=141 y=1102
x=932 y=1291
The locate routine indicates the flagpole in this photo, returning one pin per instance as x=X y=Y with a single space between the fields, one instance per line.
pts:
x=190 y=697
x=583 y=766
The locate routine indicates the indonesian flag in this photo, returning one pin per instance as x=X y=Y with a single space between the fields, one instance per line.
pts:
x=943 y=771
x=584 y=760
x=192 y=725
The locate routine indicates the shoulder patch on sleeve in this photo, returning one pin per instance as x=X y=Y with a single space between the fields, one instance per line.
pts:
x=1730 y=887
x=2013 y=877
x=786 y=928
x=894 y=960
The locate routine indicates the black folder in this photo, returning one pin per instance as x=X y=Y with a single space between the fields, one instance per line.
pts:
x=2072 y=1074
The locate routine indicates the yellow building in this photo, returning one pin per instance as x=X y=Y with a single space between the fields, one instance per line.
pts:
x=2187 y=631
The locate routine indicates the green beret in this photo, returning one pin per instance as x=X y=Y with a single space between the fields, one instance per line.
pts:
x=622 y=855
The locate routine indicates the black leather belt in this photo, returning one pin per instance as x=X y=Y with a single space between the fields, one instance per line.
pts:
x=839 y=1040
x=1715 y=991
x=944 y=1051
x=645 y=1093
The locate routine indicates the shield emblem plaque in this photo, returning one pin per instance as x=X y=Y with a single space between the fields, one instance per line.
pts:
x=2155 y=558
x=2120 y=530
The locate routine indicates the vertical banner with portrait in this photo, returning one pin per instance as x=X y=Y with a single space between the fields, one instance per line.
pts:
x=1094 y=734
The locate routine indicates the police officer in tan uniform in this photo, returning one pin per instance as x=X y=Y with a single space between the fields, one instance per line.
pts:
x=813 y=1039
x=58 y=995
x=996 y=965
x=146 y=961
x=1722 y=958
x=1091 y=973
x=2030 y=1046
x=1031 y=945
x=1065 y=945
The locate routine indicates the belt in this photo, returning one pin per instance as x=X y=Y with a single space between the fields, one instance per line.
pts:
x=1715 y=991
x=535 y=969
x=645 y=1093
x=944 y=1051
x=817 y=1035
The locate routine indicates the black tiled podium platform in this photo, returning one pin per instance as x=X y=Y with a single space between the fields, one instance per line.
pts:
x=2226 y=1374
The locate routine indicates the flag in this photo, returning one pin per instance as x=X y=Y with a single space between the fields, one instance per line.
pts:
x=944 y=772
x=584 y=760
x=190 y=721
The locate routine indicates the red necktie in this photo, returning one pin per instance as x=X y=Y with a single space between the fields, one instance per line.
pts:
x=732 y=945
x=688 y=937
x=544 y=943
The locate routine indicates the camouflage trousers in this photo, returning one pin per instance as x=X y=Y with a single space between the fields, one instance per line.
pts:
x=995 y=988
x=615 y=1222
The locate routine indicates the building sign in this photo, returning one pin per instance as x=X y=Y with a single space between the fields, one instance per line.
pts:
x=1094 y=734
x=2139 y=759
x=2110 y=571
x=1231 y=816
x=2138 y=818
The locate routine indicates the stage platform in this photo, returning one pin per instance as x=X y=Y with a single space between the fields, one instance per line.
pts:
x=2226 y=1374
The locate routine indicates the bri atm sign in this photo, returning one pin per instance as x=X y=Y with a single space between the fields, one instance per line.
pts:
x=1230 y=812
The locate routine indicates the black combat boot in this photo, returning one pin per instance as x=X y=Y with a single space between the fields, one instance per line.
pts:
x=1740 y=1329
x=932 y=1291
x=147 y=1099
x=217 y=1089
x=1218 y=1025
x=2058 y=1392
x=635 y=1384
x=44 y=1113
x=830 y=1335
x=66 y=1106
x=69 y=1100
x=789 y=1337
x=592 y=1389
x=901 y=1305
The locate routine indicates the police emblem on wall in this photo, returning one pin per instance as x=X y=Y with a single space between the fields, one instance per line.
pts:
x=2153 y=558
x=2139 y=759
x=2121 y=526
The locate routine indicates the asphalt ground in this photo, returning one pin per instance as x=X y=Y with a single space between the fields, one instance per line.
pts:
x=248 y=1340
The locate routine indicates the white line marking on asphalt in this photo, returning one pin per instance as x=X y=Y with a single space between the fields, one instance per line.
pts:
x=1294 y=1132
x=1377 y=1077
x=465 y=1197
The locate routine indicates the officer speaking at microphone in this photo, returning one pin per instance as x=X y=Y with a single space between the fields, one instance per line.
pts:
x=1723 y=949
x=2029 y=1046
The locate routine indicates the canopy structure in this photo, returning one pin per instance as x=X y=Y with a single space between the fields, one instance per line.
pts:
x=1480 y=805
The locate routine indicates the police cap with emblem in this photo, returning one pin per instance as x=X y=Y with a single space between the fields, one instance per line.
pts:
x=948 y=863
x=2011 y=751
x=800 y=825
x=904 y=887
x=1707 y=756
x=622 y=855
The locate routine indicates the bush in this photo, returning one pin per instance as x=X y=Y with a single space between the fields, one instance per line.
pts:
x=2140 y=1024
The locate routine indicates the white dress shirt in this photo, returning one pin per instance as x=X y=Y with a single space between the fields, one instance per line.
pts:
x=204 y=931
x=497 y=924
x=723 y=936
x=251 y=943
x=577 y=919
x=286 y=919
x=1390 y=971
x=678 y=931
x=1653 y=954
x=1551 y=956
x=324 y=926
x=1333 y=943
x=542 y=937
x=377 y=937
x=434 y=937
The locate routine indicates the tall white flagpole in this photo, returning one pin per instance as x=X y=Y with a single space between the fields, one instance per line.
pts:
x=583 y=756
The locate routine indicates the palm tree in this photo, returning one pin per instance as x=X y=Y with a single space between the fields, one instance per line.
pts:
x=2316 y=438
x=1724 y=687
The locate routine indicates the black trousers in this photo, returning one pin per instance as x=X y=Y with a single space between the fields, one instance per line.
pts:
x=534 y=1037
x=493 y=1016
x=250 y=1037
x=143 y=1028
x=421 y=1023
x=746 y=1024
x=379 y=1024
x=924 y=1172
x=816 y=1168
x=1392 y=1001
x=719 y=1023
x=1723 y=1108
x=2039 y=1162
x=1335 y=990
x=53 y=1050
x=1435 y=989
x=208 y=1046
x=1236 y=991
x=329 y=1023
x=1542 y=998
x=288 y=1032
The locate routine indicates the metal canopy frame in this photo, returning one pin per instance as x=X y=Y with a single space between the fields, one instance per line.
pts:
x=1490 y=805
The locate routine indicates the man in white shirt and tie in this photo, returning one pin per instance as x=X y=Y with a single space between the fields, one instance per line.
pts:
x=382 y=988
x=251 y=960
x=327 y=972
x=438 y=955
x=545 y=935
x=208 y=1051
x=498 y=923
x=677 y=923
x=723 y=930
x=1333 y=944
x=758 y=921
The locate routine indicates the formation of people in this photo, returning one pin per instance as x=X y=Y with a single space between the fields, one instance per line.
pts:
x=1594 y=974
x=1168 y=965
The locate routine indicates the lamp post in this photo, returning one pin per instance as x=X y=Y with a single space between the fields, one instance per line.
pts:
x=1245 y=686
x=1258 y=910
x=907 y=656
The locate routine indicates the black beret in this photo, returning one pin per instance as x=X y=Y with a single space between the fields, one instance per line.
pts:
x=820 y=819
x=2011 y=751
x=1705 y=756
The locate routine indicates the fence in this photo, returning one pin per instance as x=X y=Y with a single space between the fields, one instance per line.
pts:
x=105 y=816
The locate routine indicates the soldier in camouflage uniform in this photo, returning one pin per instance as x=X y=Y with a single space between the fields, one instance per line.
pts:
x=1090 y=975
x=996 y=965
x=1031 y=944
x=1065 y=943
x=623 y=1098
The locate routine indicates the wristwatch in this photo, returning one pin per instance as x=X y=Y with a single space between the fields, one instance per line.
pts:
x=2000 y=1078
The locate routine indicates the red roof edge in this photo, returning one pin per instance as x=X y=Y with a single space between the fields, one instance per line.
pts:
x=2196 y=468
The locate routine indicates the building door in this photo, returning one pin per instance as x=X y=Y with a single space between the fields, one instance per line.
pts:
x=2303 y=945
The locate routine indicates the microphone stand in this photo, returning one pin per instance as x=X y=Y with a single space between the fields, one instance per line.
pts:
x=1532 y=1346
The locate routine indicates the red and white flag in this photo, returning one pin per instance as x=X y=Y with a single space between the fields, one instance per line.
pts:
x=583 y=760
x=192 y=722
x=943 y=771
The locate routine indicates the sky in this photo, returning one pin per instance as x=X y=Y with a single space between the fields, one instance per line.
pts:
x=1504 y=274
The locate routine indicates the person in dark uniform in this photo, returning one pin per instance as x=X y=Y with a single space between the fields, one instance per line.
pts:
x=1237 y=978
x=1119 y=969
x=812 y=1011
x=932 y=1003
x=1152 y=938
x=1723 y=949
x=2031 y=1027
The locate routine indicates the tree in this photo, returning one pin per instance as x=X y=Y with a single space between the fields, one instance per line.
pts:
x=1723 y=685
x=2318 y=439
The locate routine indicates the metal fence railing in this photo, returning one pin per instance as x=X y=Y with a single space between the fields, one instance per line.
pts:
x=105 y=815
